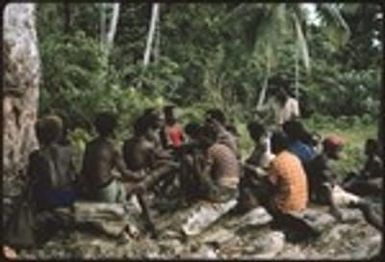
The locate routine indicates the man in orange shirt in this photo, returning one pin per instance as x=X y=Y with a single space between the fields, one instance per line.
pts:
x=289 y=188
x=288 y=178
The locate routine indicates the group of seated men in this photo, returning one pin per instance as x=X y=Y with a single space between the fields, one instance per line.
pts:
x=201 y=162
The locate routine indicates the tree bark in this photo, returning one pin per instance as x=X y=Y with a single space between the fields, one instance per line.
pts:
x=296 y=73
x=113 y=26
x=262 y=95
x=157 y=41
x=151 y=33
x=21 y=86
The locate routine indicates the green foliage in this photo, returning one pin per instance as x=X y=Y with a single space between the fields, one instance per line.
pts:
x=73 y=72
x=78 y=138
x=353 y=130
x=208 y=60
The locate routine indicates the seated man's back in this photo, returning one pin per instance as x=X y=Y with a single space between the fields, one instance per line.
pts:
x=287 y=173
x=225 y=166
x=287 y=177
x=50 y=168
x=98 y=162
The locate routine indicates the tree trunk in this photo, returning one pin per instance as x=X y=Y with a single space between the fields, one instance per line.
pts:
x=262 y=95
x=381 y=121
x=21 y=82
x=296 y=73
x=67 y=18
x=113 y=26
x=157 y=41
x=151 y=33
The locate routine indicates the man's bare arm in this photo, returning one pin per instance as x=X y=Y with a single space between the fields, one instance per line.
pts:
x=127 y=175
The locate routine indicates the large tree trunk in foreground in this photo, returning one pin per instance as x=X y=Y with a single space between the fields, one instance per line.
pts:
x=21 y=81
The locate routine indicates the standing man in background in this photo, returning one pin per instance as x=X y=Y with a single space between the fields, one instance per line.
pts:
x=282 y=107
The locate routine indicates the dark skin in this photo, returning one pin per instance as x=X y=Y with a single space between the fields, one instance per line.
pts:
x=48 y=132
x=207 y=166
x=367 y=181
x=371 y=217
x=191 y=164
x=101 y=158
x=139 y=153
x=281 y=95
x=142 y=155
x=254 y=182
x=373 y=167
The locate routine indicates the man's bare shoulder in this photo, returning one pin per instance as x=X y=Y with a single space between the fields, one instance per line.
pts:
x=138 y=144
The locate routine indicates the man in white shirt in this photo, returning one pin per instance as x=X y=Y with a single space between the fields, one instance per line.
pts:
x=286 y=108
x=281 y=108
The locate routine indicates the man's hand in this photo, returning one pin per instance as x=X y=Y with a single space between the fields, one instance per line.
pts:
x=134 y=189
x=257 y=171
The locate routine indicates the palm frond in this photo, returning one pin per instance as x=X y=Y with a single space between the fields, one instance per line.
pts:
x=351 y=8
x=270 y=29
x=242 y=10
x=336 y=29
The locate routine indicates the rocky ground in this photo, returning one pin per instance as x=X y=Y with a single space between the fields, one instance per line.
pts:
x=234 y=236
x=247 y=236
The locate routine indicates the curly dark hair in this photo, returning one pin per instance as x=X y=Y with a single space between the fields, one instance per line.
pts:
x=105 y=123
x=49 y=129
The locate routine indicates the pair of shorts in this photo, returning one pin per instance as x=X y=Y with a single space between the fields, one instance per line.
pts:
x=114 y=192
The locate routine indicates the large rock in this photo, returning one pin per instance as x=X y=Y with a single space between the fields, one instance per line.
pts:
x=109 y=218
x=21 y=82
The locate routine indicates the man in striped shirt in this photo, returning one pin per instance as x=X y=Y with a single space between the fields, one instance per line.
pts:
x=217 y=182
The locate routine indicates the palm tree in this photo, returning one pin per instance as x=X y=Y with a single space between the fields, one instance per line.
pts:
x=266 y=24
x=151 y=33
x=113 y=25
x=107 y=37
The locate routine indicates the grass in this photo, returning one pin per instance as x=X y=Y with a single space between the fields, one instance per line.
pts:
x=354 y=131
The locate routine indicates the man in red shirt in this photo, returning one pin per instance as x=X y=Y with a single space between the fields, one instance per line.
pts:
x=173 y=131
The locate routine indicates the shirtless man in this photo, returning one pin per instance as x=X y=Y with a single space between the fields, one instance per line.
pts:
x=50 y=168
x=218 y=183
x=143 y=156
x=254 y=188
x=369 y=180
x=191 y=157
x=327 y=191
x=156 y=122
x=100 y=159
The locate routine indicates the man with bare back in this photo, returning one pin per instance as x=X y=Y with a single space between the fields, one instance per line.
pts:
x=142 y=155
x=100 y=159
